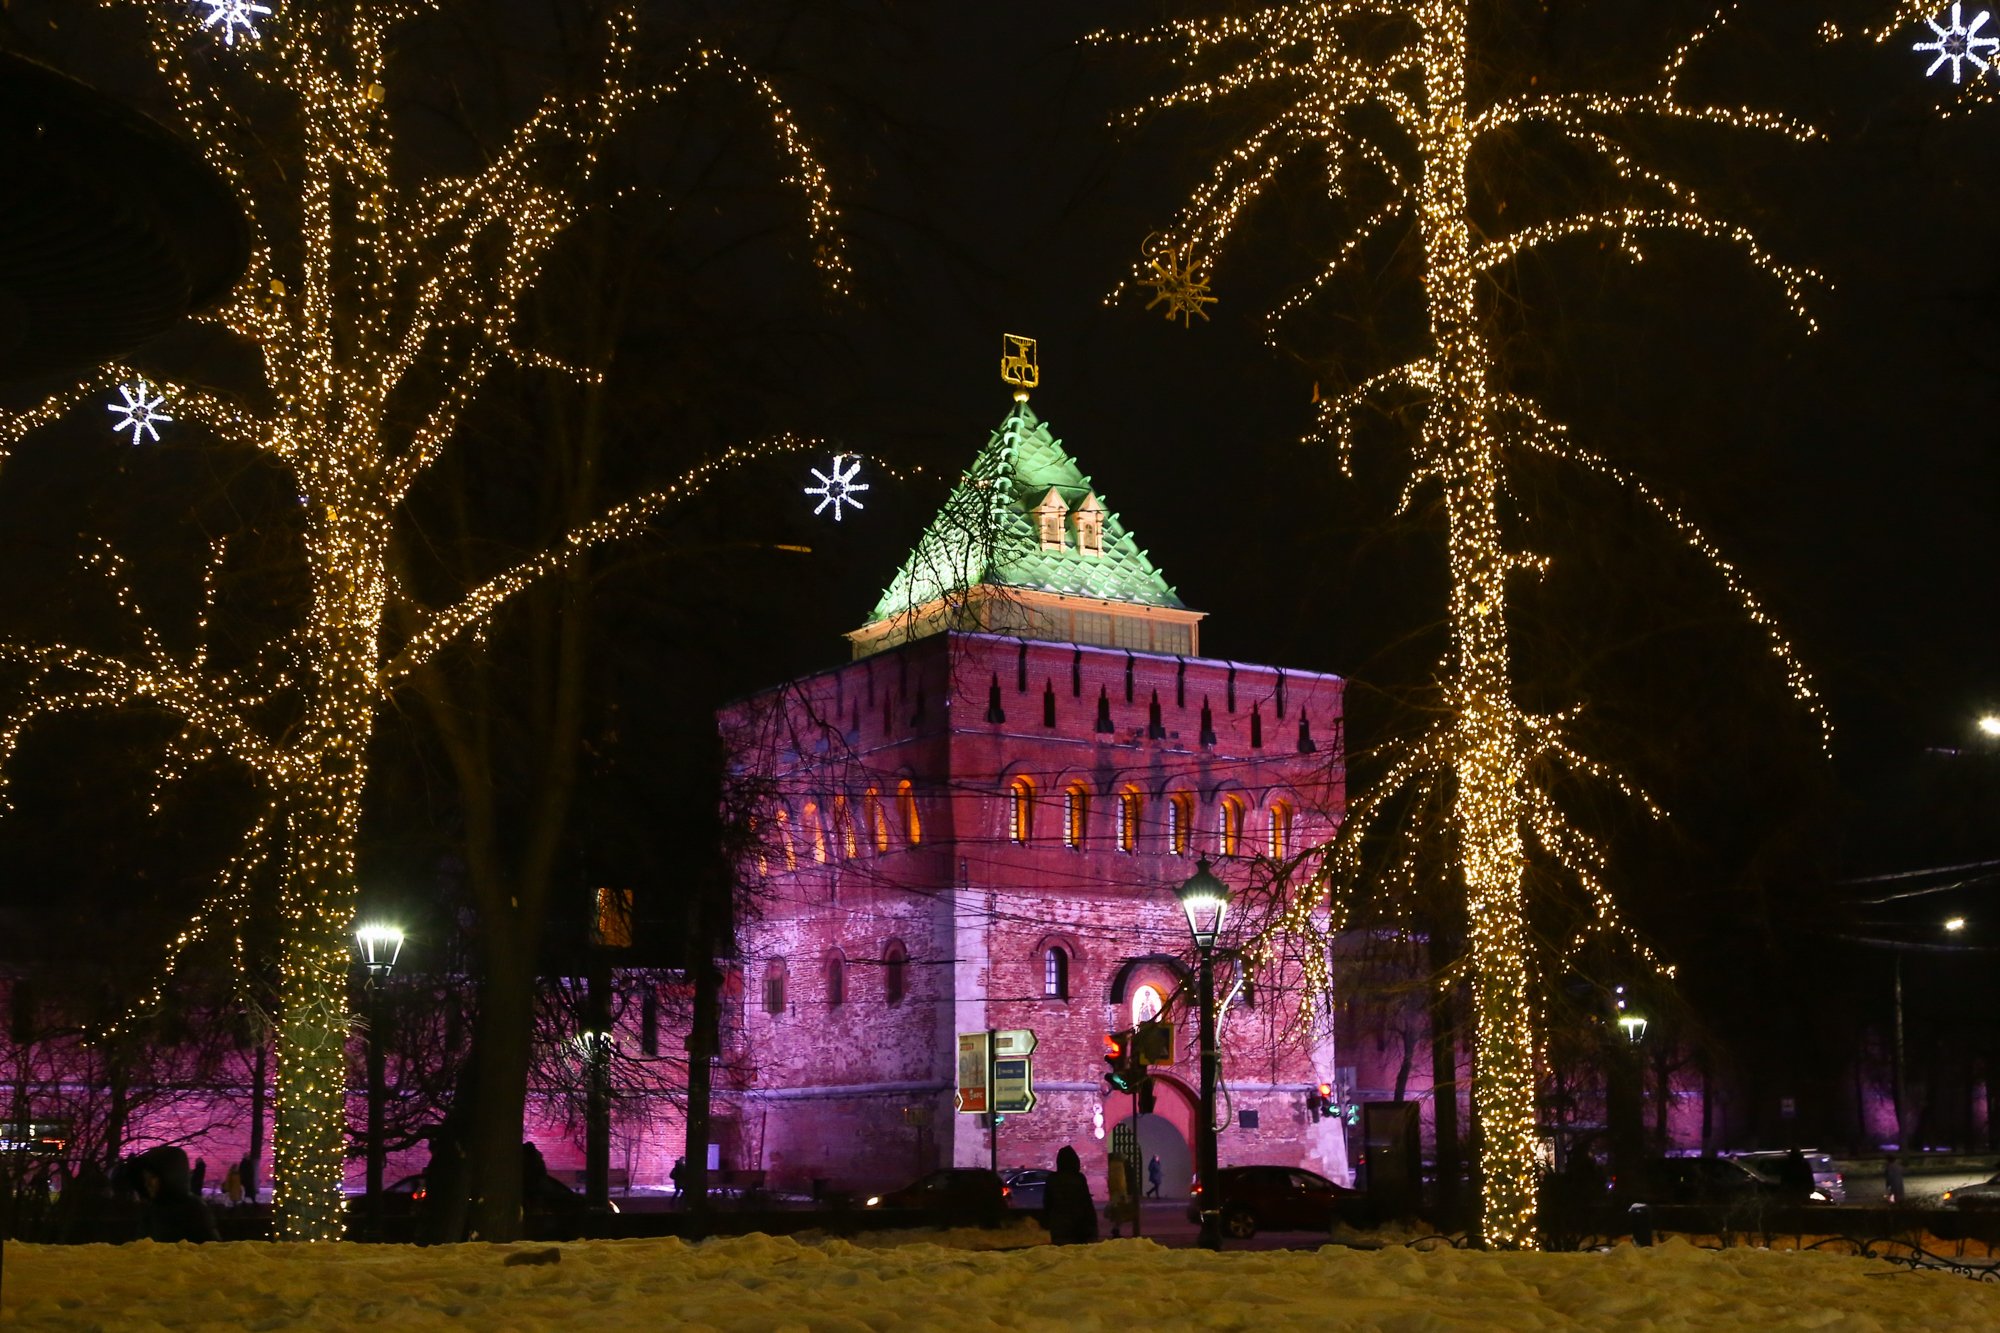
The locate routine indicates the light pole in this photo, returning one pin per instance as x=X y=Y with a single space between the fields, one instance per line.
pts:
x=1904 y=1121
x=378 y=946
x=1205 y=899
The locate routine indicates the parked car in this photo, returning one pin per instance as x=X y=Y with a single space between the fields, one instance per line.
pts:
x=958 y=1195
x=398 y=1200
x=1698 y=1180
x=1270 y=1198
x=1986 y=1194
x=1027 y=1186
x=1829 y=1184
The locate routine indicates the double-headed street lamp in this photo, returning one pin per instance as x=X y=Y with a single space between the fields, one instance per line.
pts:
x=1205 y=899
x=378 y=947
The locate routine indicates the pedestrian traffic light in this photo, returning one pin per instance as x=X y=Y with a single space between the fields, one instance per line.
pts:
x=1153 y=1043
x=1126 y=1071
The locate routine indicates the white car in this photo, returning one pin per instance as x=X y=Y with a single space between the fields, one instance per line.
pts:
x=1829 y=1184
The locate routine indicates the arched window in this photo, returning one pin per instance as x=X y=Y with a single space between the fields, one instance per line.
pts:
x=878 y=822
x=812 y=821
x=774 y=986
x=1130 y=806
x=1229 y=839
x=1147 y=1003
x=1076 y=814
x=1180 y=822
x=906 y=801
x=836 y=980
x=1055 y=973
x=895 y=972
x=1281 y=830
x=785 y=839
x=1021 y=810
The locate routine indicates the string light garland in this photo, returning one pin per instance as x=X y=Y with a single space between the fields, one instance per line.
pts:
x=1385 y=113
x=368 y=286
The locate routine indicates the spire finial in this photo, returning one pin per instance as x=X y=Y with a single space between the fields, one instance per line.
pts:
x=1017 y=364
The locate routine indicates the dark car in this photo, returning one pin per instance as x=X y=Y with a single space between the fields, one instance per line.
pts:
x=397 y=1200
x=1271 y=1198
x=1027 y=1186
x=957 y=1196
x=1985 y=1194
x=1699 y=1180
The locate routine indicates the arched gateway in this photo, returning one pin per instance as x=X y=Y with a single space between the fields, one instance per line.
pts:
x=1029 y=688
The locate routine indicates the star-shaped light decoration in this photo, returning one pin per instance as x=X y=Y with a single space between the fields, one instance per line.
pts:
x=838 y=489
x=234 y=15
x=1176 y=280
x=1958 y=43
x=141 y=410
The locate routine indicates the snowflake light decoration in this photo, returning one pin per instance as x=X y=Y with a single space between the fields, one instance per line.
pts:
x=141 y=411
x=1958 y=43
x=1175 y=280
x=231 y=15
x=838 y=489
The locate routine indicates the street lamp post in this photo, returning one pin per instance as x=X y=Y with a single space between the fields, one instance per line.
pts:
x=1205 y=899
x=379 y=947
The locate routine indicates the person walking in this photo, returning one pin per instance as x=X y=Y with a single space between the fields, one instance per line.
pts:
x=1795 y=1177
x=1067 y=1211
x=1153 y=1177
x=1892 y=1179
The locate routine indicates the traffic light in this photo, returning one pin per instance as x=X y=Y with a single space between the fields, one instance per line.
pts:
x=1153 y=1043
x=1126 y=1072
x=1313 y=1105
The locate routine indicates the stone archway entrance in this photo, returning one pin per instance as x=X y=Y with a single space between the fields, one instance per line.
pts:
x=1161 y=1137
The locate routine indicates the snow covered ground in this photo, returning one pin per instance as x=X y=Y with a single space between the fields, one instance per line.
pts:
x=765 y=1283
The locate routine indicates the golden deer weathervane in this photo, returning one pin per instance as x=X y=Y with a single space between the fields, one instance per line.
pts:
x=1017 y=364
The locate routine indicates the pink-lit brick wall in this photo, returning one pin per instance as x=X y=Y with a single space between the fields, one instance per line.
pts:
x=858 y=1094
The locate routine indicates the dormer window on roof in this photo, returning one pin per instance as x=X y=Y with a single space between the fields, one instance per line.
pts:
x=1049 y=516
x=1088 y=516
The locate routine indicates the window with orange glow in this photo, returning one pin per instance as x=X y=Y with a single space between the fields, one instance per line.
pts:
x=1021 y=810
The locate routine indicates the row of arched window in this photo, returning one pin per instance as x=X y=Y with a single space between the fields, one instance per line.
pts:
x=830 y=831
x=895 y=978
x=1180 y=836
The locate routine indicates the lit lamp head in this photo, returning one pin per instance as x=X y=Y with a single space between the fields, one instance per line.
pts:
x=1205 y=899
x=1634 y=1025
x=379 y=947
x=1989 y=725
x=1954 y=925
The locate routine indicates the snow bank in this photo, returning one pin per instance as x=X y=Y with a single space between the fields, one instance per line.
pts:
x=772 y=1283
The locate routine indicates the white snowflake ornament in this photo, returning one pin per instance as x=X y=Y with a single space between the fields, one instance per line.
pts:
x=234 y=15
x=838 y=489
x=141 y=410
x=1958 y=43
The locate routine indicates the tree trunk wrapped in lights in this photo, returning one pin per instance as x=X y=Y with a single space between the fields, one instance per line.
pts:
x=1380 y=97
x=379 y=301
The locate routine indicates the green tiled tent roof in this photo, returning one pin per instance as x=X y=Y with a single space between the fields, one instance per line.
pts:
x=986 y=533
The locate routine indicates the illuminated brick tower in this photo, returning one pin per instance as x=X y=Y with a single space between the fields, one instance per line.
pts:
x=977 y=823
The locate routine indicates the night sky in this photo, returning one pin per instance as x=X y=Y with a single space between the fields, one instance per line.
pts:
x=1848 y=474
